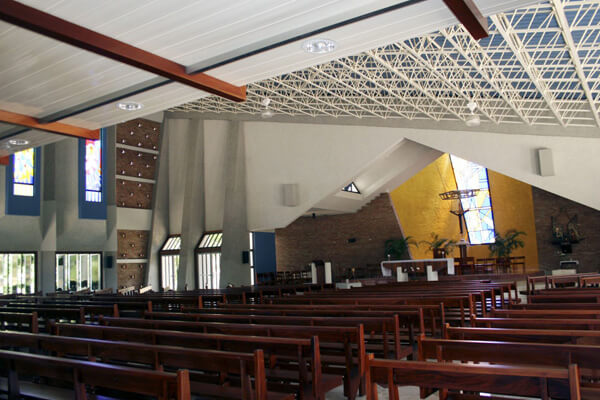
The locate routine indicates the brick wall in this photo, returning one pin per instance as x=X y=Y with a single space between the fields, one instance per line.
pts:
x=586 y=251
x=326 y=238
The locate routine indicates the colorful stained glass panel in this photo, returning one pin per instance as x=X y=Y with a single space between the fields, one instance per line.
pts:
x=24 y=172
x=93 y=170
x=479 y=217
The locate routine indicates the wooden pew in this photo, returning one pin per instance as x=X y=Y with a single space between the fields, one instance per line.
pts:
x=19 y=321
x=524 y=335
x=282 y=354
x=342 y=347
x=516 y=353
x=537 y=323
x=543 y=382
x=249 y=367
x=382 y=333
x=162 y=385
x=432 y=316
x=548 y=313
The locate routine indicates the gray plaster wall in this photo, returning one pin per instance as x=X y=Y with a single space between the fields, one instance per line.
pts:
x=59 y=228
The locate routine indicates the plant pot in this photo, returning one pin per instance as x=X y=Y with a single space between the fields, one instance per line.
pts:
x=439 y=253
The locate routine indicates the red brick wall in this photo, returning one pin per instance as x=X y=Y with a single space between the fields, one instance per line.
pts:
x=326 y=238
x=586 y=251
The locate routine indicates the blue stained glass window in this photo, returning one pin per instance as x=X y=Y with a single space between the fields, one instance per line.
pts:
x=479 y=217
x=24 y=173
x=93 y=171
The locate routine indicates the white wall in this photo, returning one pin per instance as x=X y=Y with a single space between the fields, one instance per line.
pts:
x=576 y=160
x=319 y=158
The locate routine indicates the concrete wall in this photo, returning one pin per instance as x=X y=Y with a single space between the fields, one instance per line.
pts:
x=59 y=228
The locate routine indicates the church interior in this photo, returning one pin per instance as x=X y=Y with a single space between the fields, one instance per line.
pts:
x=257 y=200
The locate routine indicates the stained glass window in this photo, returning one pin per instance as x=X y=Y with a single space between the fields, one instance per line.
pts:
x=479 y=217
x=24 y=173
x=351 y=188
x=93 y=171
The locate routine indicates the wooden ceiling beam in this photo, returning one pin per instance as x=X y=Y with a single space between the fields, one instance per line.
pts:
x=48 y=25
x=469 y=15
x=4 y=160
x=52 y=127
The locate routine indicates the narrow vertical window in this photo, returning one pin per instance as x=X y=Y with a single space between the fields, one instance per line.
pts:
x=93 y=170
x=169 y=262
x=208 y=256
x=24 y=173
x=92 y=195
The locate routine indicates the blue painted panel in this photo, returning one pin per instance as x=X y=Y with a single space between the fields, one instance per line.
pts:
x=24 y=205
x=264 y=252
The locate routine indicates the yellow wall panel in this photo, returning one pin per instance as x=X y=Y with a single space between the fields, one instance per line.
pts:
x=421 y=211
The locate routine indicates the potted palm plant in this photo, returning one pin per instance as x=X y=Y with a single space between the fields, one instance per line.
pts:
x=440 y=247
x=504 y=245
x=397 y=249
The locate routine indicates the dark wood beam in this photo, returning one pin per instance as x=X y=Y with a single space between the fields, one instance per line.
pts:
x=48 y=25
x=52 y=127
x=469 y=15
x=4 y=160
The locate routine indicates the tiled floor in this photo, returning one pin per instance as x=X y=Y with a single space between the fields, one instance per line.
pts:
x=405 y=392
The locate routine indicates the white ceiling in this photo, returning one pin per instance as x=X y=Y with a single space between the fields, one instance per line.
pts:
x=540 y=66
x=40 y=76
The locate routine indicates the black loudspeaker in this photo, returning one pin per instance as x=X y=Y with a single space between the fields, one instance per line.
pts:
x=245 y=257
x=109 y=262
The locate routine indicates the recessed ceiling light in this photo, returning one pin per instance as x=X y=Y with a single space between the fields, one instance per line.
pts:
x=130 y=105
x=319 y=46
x=18 y=142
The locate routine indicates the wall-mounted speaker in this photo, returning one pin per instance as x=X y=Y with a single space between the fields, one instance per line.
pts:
x=545 y=162
x=291 y=196
x=245 y=257
x=108 y=261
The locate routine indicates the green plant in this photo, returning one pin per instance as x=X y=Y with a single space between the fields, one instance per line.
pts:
x=397 y=249
x=437 y=243
x=505 y=244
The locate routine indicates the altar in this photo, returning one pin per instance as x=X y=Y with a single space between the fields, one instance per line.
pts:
x=432 y=268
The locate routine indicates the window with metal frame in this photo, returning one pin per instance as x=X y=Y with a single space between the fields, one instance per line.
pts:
x=92 y=198
x=24 y=173
x=479 y=216
x=169 y=262
x=17 y=273
x=251 y=257
x=351 y=188
x=208 y=260
x=77 y=271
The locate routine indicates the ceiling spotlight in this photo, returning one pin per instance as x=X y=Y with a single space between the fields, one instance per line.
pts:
x=130 y=106
x=18 y=142
x=472 y=106
x=266 y=112
x=319 y=46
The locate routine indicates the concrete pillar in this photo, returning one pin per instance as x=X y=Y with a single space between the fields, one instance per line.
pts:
x=235 y=225
x=109 y=275
x=160 y=210
x=46 y=271
x=193 y=221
